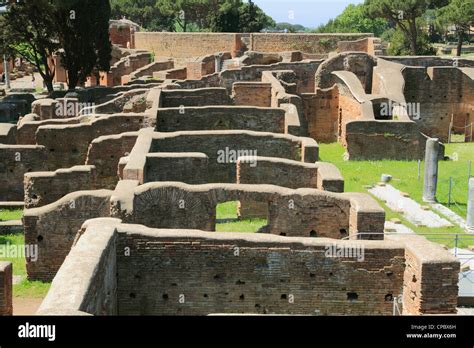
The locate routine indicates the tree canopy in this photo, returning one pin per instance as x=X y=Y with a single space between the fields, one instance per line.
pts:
x=193 y=15
x=76 y=29
x=83 y=34
x=355 y=20
x=459 y=13
x=28 y=30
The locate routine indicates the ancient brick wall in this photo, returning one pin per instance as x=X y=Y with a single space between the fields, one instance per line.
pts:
x=15 y=161
x=90 y=272
x=301 y=212
x=26 y=132
x=304 y=71
x=444 y=94
x=361 y=45
x=284 y=173
x=321 y=111
x=105 y=153
x=149 y=69
x=187 y=45
x=431 y=277
x=194 y=97
x=8 y=133
x=74 y=151
x=308 y=43
x=222 y=146
x=201 y=67
x=6 y=290
x=190 y=168
x=125 y=66
x=252 y=93
x=360 y=64
x=171 y=74
x=42 y=188
x=54 y=227
x=299 y=278
x=121 y=35
x=377 y=140
x=221 y=118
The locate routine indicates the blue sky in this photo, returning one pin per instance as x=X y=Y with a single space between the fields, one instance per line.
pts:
x=309 y=13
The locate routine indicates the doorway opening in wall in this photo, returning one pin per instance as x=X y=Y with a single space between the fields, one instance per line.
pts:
x=228 y=219
x=461 y=129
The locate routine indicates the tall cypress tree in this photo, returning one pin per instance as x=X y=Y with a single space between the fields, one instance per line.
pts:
x=83 y=30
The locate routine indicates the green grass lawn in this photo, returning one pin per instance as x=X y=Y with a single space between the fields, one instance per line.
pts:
x=358 y=174
x=26 y=288
x=227 y=212
x=7 y=215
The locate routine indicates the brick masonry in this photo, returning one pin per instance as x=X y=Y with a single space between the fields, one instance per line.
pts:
x=6 y=290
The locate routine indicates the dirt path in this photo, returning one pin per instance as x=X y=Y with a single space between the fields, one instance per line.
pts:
x=26 y=306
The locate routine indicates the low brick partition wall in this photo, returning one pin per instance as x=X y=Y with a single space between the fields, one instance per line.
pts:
x=307 y=43
x=105 y=153
x=190 y=168
x=8 y=133
x=6 y=288
x=188 y=45
x=377 y=140
x=431 y=277
x=222 y=148
x=54 y=227
x=221 y=118
x=301 y=212
x=285 y=173
x=252 y=93
x=42 y=188
x=74 y=152
x=26 y=134
x=15 y=161
x=301 y=277
x=194 y=97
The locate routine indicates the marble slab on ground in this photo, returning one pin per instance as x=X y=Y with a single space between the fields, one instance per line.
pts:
x=410 y=209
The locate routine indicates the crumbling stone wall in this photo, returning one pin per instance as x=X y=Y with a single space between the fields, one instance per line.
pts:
x=125 y=66
x=149 y=69
x=384 y=140
x=6 y=290
x=305 y=73
x=221 y=118
x=53 y=229
x=26 y=132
